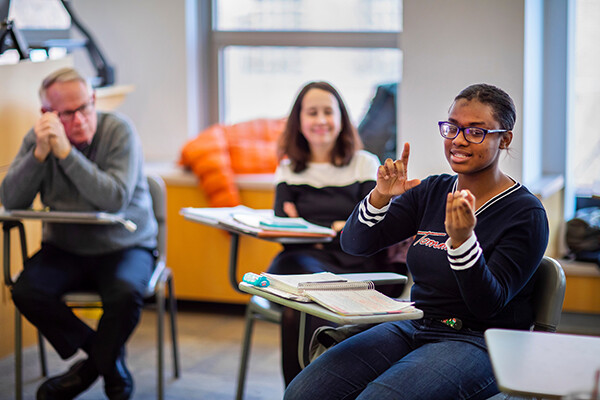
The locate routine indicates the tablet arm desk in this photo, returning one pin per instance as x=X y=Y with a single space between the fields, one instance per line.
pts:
x=321 y=312
x=14 y=219
x=217 y=222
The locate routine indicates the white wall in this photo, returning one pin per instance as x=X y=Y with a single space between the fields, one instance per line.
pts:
x=448 y=45
x=146 y=41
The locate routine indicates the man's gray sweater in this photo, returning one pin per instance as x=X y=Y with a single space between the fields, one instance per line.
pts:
x=105 y=176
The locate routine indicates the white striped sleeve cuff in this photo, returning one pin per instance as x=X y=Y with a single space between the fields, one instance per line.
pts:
x=369 y=215
x=464 y=256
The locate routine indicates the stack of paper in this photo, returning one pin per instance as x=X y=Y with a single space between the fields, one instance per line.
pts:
x=261 y=223
x=280 y=224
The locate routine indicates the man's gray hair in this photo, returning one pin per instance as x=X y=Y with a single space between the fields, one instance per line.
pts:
x=66 y=74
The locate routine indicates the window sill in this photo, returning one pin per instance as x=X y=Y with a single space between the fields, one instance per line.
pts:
x=547 y=186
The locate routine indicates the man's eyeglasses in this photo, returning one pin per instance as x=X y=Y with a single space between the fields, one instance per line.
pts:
x=475 y=135
x=85 y=109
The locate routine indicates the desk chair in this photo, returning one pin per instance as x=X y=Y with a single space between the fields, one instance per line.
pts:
x=161 y=279
x=259 y=308
x=549 y=294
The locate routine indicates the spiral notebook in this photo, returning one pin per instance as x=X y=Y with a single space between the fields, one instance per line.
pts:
x=335 y=293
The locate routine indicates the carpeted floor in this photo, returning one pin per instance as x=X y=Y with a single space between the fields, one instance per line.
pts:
x=210 y=338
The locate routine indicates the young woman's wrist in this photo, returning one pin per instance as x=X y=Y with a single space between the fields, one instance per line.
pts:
x=378 y=200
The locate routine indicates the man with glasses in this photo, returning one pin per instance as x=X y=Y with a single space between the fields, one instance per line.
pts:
x=79 y=159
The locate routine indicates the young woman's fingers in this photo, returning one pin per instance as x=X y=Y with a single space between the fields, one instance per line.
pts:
x=405 y=154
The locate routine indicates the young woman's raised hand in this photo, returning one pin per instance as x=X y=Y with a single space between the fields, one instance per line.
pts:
x=392 y=179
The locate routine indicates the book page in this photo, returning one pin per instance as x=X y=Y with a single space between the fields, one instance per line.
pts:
x=358 y=302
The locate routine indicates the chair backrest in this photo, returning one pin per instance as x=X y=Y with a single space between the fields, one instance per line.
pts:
x=156 y=186
x=549 y=294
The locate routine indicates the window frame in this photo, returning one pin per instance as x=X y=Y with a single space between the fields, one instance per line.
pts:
x=218 y=40
x=551 y=110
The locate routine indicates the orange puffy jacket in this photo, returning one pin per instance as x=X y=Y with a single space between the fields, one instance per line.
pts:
x=220 y=152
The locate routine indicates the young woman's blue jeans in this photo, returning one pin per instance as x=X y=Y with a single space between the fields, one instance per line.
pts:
x=420 y=359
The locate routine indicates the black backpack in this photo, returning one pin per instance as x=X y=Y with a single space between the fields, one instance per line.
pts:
x=583 y=234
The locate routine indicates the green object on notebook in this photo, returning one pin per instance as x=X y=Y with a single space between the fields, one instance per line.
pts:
x=272 y=224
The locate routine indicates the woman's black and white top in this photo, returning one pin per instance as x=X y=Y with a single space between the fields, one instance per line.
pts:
x=324 y=193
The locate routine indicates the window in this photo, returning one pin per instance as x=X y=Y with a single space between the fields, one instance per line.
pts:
x=584 y=138
x=38 y=21
x=567 y=90
x=263 y=81
x=309 y=15
x=265 y=50
x=39 y=14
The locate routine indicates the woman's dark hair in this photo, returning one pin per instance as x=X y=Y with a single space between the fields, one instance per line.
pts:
x=294 y=145
x=503 y=107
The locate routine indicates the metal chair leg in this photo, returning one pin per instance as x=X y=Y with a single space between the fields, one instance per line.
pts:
x=18 y=356
x=160 y=302
x=173 y=318
x=42 y=351
x=245 y=353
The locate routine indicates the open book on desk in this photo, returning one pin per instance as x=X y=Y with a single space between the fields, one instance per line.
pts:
x=281 y=225
x=336 y=293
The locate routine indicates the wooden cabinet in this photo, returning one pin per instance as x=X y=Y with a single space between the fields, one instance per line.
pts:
x=199 y=254
x=583 y=287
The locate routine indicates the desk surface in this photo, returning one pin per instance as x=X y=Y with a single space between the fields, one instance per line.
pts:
x=67 y=217
x=222 y=218
x=322 y=312
x=545 y=364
